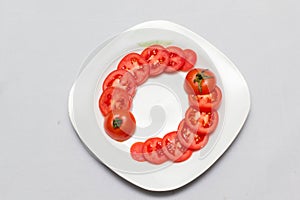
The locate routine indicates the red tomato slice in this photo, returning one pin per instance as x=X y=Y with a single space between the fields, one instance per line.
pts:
x=114 y=99
x=173 y=149
x=176 y=59
x=137 y=66
x=190 y=60
x=206 y=102
x=153 y=151
x=120 y=79
x=157 y=57
x=136 y=151
x=189 y=138
x=202 y=122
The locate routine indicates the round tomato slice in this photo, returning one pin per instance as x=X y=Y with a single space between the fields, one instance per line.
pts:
x=153 y=151
x=114 y=99
x=189 y=138
x=206 y=102
x=119 y=125
x=157 y=57
x=200 y=81
x=137 y=66
x=136 y=151
x=190 y=60
x=176 y=60
x=173 y=149
x=201 y=122
x=120 y=79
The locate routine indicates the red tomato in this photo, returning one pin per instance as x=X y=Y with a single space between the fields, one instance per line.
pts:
x=202 y=122
x=136 y=151
x=119 y=125
x=157 y=57
x=114 y=99
x=190 y=60
x=189 y=138
x=153 y=151
x=137 y=66
x=176 y=59
x=199 y=81
x=120 y=79
x=206 y=102
x=173 y=149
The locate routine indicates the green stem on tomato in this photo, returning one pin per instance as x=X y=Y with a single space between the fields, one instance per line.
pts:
x=200 y=77
x=117 y=122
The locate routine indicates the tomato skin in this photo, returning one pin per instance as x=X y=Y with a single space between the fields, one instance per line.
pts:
x=119 y=125
x=157 y=57
x=206 y=102
x=153 y=151
x=136 y=152
x=176 y=60
x=190 y=138
x=121 y=79
x=173 y=149
x=199 y=81
x=137 y=66
x=190 y=60
x=201 y=122
x=114 y=99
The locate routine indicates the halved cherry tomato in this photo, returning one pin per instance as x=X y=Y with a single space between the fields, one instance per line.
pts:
x=157 y=57
x=206 y=102
x=176 y=59
x=173 y=149
x=120 y=79
x=200 y=81
x=153 y=151
x=202 y=122
x=119 y=125
x=136 y=151
x=190 y=60
x=137 y=66
x=114 y=99
x=190 y=138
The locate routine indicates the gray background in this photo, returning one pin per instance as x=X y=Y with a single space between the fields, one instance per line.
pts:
x=42 y=44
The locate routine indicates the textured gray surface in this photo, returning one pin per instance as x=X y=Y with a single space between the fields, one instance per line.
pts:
x=42 y=45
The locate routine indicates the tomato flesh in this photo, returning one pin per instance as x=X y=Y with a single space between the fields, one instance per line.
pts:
x=190 y=60
x=173 y=149
x=114 y=99
x=190 y=138
x=201 y=122
x=120 y=79
x=176 y=59
x=157 y=57
x=137 y=66
x=206 y=102
x=153 y=151
x=136 y=151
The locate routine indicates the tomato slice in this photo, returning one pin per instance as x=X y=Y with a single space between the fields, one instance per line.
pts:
x=173 y=149
x=157 y=57
x=114 y=99
x=119 y=125
x=190 y=138
x=136 y=151
x=120 y=79
x=153 y=151
x=137 y=66
x=206 y=102
x=200 y=81
x=176 y=59
x=201 y=122
x=190 y=60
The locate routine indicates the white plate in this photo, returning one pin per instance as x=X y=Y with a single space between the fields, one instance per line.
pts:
x=158 y=106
